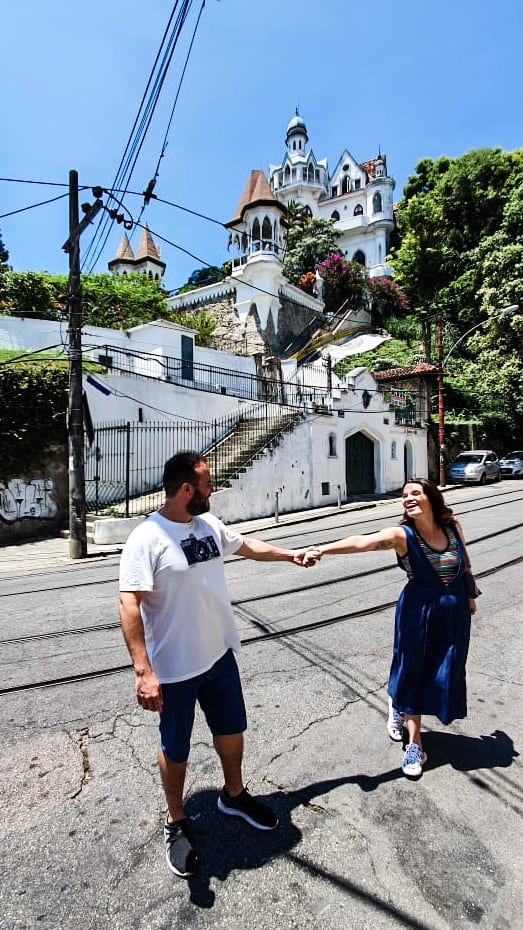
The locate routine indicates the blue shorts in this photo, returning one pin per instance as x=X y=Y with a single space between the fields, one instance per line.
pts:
x=219 y=694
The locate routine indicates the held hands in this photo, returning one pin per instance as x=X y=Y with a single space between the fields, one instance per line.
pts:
x=307 y=557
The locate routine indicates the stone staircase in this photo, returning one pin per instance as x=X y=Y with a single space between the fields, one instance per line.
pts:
x=248 y=441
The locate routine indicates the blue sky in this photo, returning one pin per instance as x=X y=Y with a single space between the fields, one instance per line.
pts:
x=414 y=79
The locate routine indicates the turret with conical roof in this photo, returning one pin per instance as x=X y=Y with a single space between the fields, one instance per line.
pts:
x=147 y=259
x=257 y=224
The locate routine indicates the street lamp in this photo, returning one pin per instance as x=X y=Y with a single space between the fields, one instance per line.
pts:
x=442 y=361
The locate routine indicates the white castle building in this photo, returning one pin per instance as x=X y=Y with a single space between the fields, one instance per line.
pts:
x=358 y=197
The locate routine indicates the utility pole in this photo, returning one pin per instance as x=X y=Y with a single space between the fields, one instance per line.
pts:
x=441 y=402
x=75 y=411
x=75 y=427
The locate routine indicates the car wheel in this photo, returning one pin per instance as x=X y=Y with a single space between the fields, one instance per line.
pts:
x=483 y=479
x=498 y=476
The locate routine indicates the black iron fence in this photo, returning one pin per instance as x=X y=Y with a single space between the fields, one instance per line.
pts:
x=124 y=464
x=309 y=383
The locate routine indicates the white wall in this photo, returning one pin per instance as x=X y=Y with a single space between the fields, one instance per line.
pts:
x=300 y=464
x=157 y=400
x=296 y=467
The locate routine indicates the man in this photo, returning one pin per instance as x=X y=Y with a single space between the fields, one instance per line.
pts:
x=178 y=624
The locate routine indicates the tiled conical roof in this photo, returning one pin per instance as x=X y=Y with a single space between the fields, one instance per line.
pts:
x=256 y=191
x=147 y=247
x=124 y=250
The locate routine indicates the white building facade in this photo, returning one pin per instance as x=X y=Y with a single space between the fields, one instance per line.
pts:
x=358 y=197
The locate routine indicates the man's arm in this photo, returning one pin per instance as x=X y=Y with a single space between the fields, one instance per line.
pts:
x=147 y=687
x=260 y=551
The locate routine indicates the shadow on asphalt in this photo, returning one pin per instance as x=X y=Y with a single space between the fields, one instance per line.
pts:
x=463 y=753
x=228 y=844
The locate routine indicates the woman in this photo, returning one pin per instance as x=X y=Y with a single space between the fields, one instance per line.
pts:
x=432 y=627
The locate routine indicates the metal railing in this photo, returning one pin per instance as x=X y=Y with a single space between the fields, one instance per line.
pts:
x=124 y=465
x=309 y=383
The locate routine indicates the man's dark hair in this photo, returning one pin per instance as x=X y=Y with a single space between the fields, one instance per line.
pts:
x=178 y=470
x=441 y=513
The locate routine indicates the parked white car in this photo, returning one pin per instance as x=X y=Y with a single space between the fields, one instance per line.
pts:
x=477 y=466
x=511 y=465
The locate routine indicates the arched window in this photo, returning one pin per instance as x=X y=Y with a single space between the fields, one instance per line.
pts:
x=256 y=236
x=332 y=445
x=335 y=215
x=377 y=205
x=358 y=210
x=266 y=231
x=310 y=173
x=359 y=257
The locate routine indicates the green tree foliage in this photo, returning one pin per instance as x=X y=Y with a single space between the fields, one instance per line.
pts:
x=297 y=215
x=209 y=274
x=307 y=246
x=28 y=294
x=113 y=301
x=118 y=301
x=4 y=254
x=122 y=301
x=33 y=404
x=461 y=252
x=202 y=321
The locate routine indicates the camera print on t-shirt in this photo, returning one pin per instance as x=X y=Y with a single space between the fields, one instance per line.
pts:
x=199 y=550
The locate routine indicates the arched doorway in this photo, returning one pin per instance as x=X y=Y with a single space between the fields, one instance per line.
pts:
x=359 y=464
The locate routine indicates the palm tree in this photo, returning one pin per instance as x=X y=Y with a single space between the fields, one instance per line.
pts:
x=297 y=214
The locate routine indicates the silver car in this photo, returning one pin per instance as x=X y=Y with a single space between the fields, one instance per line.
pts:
x=511 y=465
x=477 y=466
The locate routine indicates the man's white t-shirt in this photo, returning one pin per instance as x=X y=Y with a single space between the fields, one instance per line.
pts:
x=186 y=609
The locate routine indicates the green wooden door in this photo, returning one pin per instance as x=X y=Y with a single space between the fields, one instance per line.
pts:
x=359 y=464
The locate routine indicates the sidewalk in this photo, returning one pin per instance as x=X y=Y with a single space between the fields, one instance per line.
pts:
x=39 y=554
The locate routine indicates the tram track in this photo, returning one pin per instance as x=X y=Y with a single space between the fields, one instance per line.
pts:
x=275 y=537
x=264 y=635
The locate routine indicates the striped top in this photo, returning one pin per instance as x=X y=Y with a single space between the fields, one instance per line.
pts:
x=445 y=563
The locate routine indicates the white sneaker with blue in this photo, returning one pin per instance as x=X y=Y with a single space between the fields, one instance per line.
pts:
x=413 y=761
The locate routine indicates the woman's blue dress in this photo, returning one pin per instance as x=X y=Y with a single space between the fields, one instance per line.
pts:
x=431 y=639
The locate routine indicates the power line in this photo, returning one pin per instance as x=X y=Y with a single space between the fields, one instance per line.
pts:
x=134 y=145
x=43 y=183
x=148 y=193
x=27 y=355
x=32 y=206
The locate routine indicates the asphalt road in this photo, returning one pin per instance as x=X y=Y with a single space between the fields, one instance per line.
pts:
x=359 y=846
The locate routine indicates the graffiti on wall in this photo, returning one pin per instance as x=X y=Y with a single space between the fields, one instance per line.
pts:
x=27 y=500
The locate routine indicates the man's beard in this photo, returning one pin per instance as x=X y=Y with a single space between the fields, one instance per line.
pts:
x=198 y=504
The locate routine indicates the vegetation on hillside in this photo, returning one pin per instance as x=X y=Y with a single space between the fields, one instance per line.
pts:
x=458 y=252
x=113 y=301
